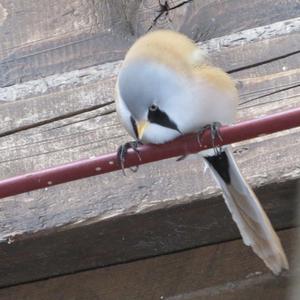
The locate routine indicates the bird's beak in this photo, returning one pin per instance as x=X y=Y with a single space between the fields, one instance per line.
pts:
x=141 y=126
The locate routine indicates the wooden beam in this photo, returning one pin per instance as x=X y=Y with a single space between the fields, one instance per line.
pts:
x=275 y=40
x=138 y=232
x=218 y=272
x=39 y=40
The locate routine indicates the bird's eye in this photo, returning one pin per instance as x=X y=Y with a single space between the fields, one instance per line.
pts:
x=153 y=107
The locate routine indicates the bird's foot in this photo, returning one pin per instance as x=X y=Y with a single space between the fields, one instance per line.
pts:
x=214 y=134
x=122 y=151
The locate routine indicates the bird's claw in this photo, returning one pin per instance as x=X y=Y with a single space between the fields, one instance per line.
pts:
x=214 y=133
x=122 y=151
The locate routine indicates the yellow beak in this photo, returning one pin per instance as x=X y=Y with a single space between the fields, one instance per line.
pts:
x=141 y=126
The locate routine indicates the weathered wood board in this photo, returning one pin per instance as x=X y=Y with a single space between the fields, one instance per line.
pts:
x=226 y=271
x=48 y=37
x=99 y=242
x=110 y=219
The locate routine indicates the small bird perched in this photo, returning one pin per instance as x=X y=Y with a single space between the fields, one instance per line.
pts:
x=167 y=88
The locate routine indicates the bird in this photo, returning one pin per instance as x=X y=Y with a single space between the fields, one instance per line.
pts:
x=167 y=87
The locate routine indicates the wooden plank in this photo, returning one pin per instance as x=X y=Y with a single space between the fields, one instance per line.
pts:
x=210 y=19
x=277 y=40
x=287 y=31
x=223 y=271
x=47 y=38
x=50 y=37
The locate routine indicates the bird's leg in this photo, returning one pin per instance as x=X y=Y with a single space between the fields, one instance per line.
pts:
x=214 y=133
x=122 y=151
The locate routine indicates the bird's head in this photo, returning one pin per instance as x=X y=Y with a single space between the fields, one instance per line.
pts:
x=155 y=87
x=153 y=94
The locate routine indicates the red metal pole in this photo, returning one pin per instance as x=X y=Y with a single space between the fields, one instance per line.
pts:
x=184 y=145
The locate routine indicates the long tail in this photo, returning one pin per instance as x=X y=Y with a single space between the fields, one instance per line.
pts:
x=253 y=223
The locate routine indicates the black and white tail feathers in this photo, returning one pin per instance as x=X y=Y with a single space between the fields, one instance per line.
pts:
x=253 y=223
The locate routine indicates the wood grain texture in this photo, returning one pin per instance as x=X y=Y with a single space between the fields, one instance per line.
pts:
x=224 y=271
x=209 y=19
x=55 y=36
x=41 y=39
x=215 y=47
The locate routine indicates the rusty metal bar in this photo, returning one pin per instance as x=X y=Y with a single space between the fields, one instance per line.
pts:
x=149 y=153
